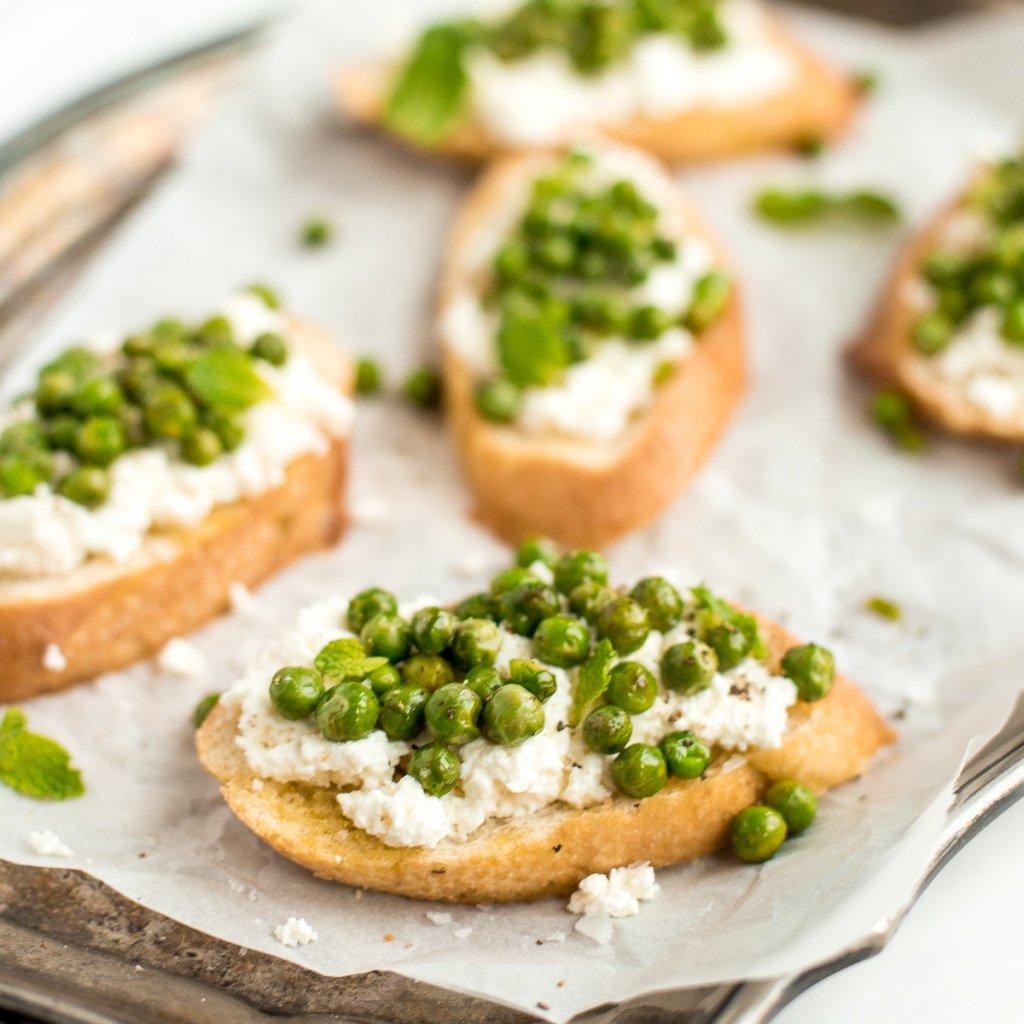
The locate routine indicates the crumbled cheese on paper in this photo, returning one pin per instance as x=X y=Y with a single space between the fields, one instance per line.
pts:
x=48 y=844
x=602 y=898
x=54 y=659
x=181 y=658
x=296 y=931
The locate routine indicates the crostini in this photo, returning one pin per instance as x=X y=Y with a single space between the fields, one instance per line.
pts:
x=949 y=328
x=687 y=80
x=141 y=478
x=592 y=343
x=503 y=748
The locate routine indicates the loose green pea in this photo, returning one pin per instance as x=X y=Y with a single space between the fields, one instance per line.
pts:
x=687 y=757
x=436 y=768
x=98 y=396
x=87 y=485
x=498 y=400
x=729 y=643
x=510 y=578
x=476 y=606
x=562 y=641
x=640 y=770
x=348 y=711
x=476 y=642
x=624 y=622
x=368 y=603
x=662 y=602
x=512 y=716
x=576 y=567
x=756 y=833
x=402 y=711
x=536 y=549
x=203 y=709
x=423 y=388
x=432 y=629
x=689 y=667
x=589 y=598
x=271 y=348
x=368 y=376
x=386 y=635
x=812 y=669
x=607 y=730
x=533 y=676
x=100 y=440
x=527 y=604
x=201 y=447
x=453 y=714
x=295 y=691
x=385 y=678
x=430 y=671
x=316 y=232
x=795 y=802
x=170 y=412
x=484 y=681
x=631 y=687
x=55 y=392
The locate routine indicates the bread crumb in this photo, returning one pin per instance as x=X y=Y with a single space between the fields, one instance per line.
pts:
x=439 y=917
x=296 y=931
x=181 y=658
x=389 y=937
x=48 y=844
x=53 y=658
x=541 y=1005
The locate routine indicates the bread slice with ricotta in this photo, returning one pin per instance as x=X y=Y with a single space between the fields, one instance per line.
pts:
x=807 y=100
x=104 y=614
x=585 y=489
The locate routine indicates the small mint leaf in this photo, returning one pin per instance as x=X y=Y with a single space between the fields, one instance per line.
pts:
x=591 y=681
x=38 y=767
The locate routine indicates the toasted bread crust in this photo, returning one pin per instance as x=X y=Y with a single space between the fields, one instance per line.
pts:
x=546 y=854
x=818 y=103
x=885 y=351
x=577 y=493
x=106 y=619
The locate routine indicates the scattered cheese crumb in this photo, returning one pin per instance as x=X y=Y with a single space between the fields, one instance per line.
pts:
x=439 y=917
x=181 y=658
x=371 y=512
x=463 y=933
x=48 y=844
x=235 y=885
x=241 y=597
x=295 y=932
x=600 y=898
x=138 y=967
x=53 y=658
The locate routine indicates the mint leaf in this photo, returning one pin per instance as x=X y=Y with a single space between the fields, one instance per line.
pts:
x=532 y=349
x=226 y=379
x=346 y=658
x=591 y=681
x=430 y=95
x=34 y=765
x=718 y=611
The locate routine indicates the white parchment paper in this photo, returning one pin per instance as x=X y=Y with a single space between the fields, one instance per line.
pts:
x=803 y=512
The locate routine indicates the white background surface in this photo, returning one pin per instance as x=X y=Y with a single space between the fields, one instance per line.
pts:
x=956 y=954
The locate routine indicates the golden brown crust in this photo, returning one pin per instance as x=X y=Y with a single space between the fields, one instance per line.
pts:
x=577 y=493
x=885 y=351
x=104 y=618
x=818 y=103
x=548 y=853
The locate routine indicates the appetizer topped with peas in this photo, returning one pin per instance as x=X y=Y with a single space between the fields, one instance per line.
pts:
x=949 y=332
x=685 y=79
x=591 y=342
x=579 y=724
x=137 y=470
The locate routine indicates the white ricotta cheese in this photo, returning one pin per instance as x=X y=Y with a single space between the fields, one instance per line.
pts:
x=48 y=844
x=296 y=931
x=601 y=898
x=54 y=659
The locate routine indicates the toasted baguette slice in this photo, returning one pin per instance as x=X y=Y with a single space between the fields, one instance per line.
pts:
x=886 y=353
x=548 y=853
x=578 y=493
x=818 y=103
x=104 y=615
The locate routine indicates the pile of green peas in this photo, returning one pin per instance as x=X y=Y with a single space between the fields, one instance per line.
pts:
x=992 y=275
x=435 y=672
x=561 y=282
x=176 y=385
x=757 y=832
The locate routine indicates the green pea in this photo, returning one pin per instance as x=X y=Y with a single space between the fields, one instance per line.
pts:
x=201 y=447
x=98 y=396
x=28 y=435
x=385 y=678
x=710 y=294
x=55 y=392
x=271 y=348
x=576 y=567
x=512 y=716
x=368 y=603
x=62 y=430
x=348 y=711
x=229 y=428
x=100 y=440
x=402 y=711
x=533 y=676
x=631 y=687
x=432 y=629
x=316 y=232
x=662 y=602
x=78 y=361
x=476 y=642
x=795 y=802
x=368 y=376
x=386 y=635
x=1013 y=322
x=140 y=378
x=756 y=833
x=943 y=267
x=689 y=667
x=174 y=355
x=476 y=606
x=430 y=671
x=295 y=691
x=639 y=771
x=730 y=643
x=138 y=345
x=133 y=423
x=600 y=311
x=686 y=755
x=624 y=622
x=203 y=709
x=556 y=253
x=648 y=323
x=663 y=249
x=21 y=474
x=484 y=681
x=453 y=714
x=436 y=768
x=510 y=578
x=423 y=388
x=170 y=412
x=933 y=332
x=536 y=549
x=498 y=400
x=267 y=295
x=562 y=641
x=607 y=730
x=812 y=669
x=87 y=485
x=168 y=327
x=512 y=262
x=215 y=331
x=589 y=598
x=527 y=604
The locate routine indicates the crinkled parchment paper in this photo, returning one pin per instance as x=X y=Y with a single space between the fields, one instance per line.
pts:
x=803 y=512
